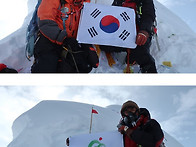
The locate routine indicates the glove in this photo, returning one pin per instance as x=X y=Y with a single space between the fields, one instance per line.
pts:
x=71 y=43
x=142 y=37
x=125 y=130
x=92 y=57
x=122 y=129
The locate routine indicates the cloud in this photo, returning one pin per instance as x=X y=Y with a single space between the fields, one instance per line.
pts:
x=12 y=16
x=188 y=102
x=47 y=92
x=101 y=96
x=182 y=123
x=14 y=102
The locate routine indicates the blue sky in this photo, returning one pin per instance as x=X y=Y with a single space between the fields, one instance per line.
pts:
x=173 y=106
x=11 y=19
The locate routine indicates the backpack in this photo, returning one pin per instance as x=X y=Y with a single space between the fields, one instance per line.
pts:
x=32 y=33
x=33 y=29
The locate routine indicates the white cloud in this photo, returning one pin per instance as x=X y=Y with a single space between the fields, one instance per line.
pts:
x=187 y=102
x=181 y=124
x=12 y=14
x=14 y=101
x=48 y=92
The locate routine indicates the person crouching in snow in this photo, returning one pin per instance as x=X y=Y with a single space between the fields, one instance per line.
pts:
x=137 y=127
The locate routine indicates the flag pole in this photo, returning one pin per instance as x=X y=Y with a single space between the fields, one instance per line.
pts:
x=91 y=121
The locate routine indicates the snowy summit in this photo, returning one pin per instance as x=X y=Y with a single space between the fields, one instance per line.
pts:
x=176 y=40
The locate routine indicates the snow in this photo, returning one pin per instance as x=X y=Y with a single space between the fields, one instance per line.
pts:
x=177 y=42
x=49 y=123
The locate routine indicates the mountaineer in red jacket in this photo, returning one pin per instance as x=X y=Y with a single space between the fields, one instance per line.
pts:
x=137 y=127
x=56 y=48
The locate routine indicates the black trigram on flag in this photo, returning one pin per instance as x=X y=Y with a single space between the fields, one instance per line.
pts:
x=124 y=35
x=92 y=32
x=125 y=16
x=95 y=13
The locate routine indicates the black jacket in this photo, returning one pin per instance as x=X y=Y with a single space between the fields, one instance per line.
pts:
x=146 y=19
x=148 y=135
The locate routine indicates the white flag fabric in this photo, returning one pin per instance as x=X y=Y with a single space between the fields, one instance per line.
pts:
x=107 y=25
x=104 y=139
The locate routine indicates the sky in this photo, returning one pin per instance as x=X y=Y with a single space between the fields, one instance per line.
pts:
x=11 y=19
x=173 y=106
x=12 y=14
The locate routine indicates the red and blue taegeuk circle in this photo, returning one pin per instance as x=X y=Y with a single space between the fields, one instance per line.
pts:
x=109 y=24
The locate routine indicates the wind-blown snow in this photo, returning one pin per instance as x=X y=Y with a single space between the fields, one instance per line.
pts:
x=176 y=39
x=49 y=123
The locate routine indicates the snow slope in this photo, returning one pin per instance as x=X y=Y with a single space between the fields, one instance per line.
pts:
x=176 y=39
x=49 y=123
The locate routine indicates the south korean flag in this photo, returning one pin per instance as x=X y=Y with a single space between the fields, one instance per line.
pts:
x=107 y=25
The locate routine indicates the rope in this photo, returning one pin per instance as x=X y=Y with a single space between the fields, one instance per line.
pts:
x=128 y=64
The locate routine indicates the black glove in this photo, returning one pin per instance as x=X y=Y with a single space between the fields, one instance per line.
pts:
x=92 y=57
x=71 y=43
x=121 y=123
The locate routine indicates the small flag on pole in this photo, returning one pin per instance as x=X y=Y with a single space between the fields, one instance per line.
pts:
x=94 y=111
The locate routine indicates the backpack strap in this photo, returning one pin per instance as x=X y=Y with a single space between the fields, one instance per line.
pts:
x=64 y=15
x=65 y=10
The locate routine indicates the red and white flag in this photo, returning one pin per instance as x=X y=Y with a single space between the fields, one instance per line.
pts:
x=107 y=25
x=94 y=111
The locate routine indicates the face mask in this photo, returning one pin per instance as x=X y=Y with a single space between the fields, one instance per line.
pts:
x=130 y=119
